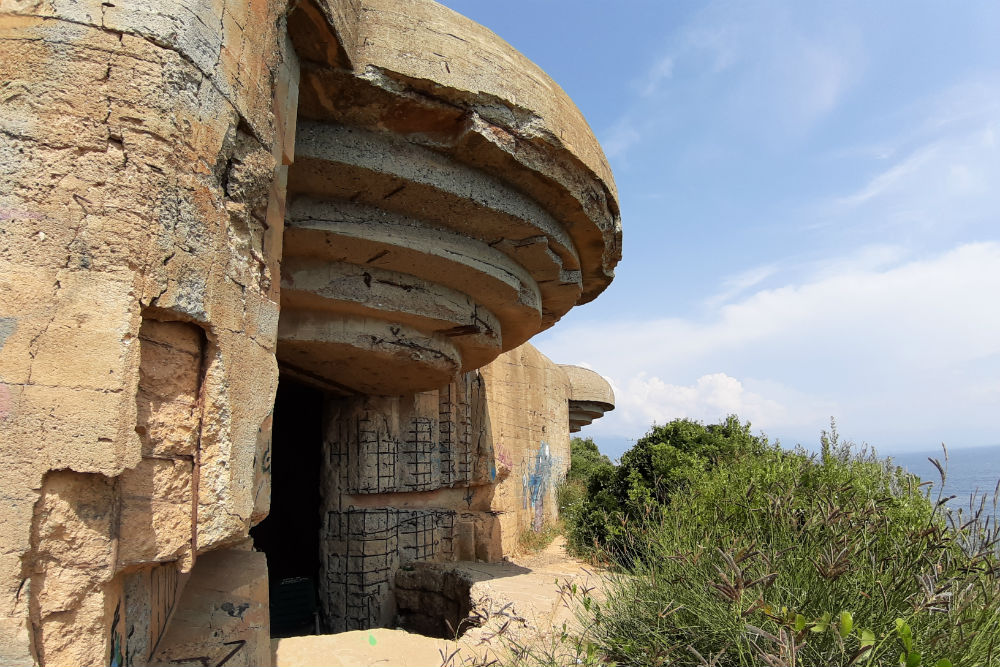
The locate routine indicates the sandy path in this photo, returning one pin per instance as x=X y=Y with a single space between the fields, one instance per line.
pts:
x=527 y=587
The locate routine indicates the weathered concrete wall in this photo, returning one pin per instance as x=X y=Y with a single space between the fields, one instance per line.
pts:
x=222 y=616
x=404 y=478
x=139 y=315
x=527 y=402
x=446 y=201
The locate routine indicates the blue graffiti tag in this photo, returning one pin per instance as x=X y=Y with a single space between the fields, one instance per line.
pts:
x=535 y=484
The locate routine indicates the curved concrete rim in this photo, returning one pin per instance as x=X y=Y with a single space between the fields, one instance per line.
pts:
x=587 y=386
x=389 y=26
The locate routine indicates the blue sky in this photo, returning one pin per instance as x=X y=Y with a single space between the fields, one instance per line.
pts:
x=810 y=197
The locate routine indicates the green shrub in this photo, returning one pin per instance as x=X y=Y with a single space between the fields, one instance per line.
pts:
x=755 y=555
x=585 y=459
x=660 y=462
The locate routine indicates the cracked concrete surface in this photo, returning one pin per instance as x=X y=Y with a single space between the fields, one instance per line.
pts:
x=112 y=116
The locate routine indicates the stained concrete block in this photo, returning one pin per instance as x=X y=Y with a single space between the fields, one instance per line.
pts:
x=170 y=367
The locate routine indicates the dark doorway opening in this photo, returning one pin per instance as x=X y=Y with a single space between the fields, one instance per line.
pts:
x=289 y=536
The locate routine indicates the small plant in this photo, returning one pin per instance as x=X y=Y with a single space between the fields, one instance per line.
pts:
x=510 y=641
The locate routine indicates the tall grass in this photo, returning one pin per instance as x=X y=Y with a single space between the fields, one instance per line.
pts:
x=531 y=541
x=784 y=558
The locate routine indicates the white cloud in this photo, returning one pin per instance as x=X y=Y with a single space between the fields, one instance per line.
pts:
x=891 y=178
x=948 y=181
x=875 y=257
x=719 y=43
x=825 y=70
x=733 y=286
x=896 y=349
x=765 y=69
x=965 y=104
x=657 y=74
x=945 y=163
x=647 y=399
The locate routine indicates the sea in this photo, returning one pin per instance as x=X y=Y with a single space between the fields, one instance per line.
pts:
x=970 y=470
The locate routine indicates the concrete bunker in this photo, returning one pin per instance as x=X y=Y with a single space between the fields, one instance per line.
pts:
x=590 y=396
x=415 y=250
x=366 y=206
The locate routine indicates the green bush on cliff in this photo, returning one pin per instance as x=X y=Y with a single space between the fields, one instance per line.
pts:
x=662 y=461
x=586 y=460
x=747 y=554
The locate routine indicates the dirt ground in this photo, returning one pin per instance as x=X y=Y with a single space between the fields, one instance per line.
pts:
x=523 y=591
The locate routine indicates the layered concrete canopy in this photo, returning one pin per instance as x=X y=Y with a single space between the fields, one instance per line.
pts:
x=590 y=396
x=447 y=199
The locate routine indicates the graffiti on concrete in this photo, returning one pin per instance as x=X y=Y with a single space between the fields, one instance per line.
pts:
x=535 y=484
x=117 y=643
x=503 y=457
